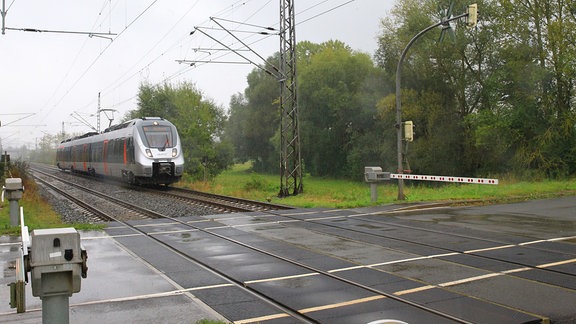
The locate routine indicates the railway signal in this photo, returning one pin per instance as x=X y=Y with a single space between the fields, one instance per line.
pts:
x=471 y=17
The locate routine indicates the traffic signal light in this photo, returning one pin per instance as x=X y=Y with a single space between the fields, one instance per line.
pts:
x=408 y=131
x=472 y=18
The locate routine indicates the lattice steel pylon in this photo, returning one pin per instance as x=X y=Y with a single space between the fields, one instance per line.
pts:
x=290 y=157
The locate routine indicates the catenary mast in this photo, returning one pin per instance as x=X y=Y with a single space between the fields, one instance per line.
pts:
x=290 y=157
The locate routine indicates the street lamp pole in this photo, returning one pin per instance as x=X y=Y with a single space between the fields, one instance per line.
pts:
x=398 y=125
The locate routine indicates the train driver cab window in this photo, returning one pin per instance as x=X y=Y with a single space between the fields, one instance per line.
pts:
x=158 y=136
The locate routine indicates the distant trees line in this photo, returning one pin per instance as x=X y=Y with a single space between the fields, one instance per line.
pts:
x=497 y=99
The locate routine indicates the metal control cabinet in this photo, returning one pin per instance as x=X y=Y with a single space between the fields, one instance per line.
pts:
x=373 y=174
x=14 y=188
x=57 y=262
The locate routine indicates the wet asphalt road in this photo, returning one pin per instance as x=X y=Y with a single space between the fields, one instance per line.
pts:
x=511 y=263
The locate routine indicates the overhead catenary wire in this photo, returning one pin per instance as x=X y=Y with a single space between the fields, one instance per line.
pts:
x=125 y=77
x=242 y=42
x=100 y=55
x=202 y=57
x=77 y=56
x=217 y=59
x=35 y=30
x=325 y=12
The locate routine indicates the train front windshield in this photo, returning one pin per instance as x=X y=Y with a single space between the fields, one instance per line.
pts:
x=158 y=136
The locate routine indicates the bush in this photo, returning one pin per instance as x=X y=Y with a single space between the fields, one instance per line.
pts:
x=256 y=182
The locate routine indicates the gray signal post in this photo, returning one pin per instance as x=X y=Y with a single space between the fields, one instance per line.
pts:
x=13 y=191
x=472 y=14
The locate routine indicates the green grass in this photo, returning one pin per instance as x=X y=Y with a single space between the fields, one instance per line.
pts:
x=318 y=192
x=37 y=214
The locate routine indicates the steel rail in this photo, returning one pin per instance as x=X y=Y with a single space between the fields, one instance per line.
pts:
x=293 y=312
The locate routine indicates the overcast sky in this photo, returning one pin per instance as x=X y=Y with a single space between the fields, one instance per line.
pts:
x=50 y=80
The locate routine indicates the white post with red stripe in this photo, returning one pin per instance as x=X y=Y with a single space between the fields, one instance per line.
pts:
x=443 y=178
x=373 y=175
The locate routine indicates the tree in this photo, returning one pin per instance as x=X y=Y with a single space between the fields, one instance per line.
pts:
x=338 y=93
x=498 y=98
x=200 y=124
x=532 y=84
x=45 y=151
x=254 y=121
x=438 y=88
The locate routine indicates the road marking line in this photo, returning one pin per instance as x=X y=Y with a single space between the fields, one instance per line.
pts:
x=413 y=259
x=348 y=269
x=311 y=309
x=562 y=238
x=341 y=304
x=548 y=265
x=470 y=279
x=207 y=287
x=413 y=290
x=490 y=249
x=281 y=278
x=532 y=242
x=515 y=270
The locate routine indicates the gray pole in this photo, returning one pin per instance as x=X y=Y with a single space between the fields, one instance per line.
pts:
x=400 y=170
x=14 y=212
x=55 y=309
x=3 y=17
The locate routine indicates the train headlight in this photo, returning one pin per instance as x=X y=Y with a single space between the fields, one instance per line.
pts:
x=174 y=152
x=148 y=153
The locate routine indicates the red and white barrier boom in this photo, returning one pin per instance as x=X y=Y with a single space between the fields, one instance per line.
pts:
x=443 y=178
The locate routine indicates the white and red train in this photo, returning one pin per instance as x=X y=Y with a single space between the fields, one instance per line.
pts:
x=139 y=151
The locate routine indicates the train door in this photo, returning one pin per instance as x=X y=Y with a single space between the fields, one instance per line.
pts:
x=85 y=158
x=124 y=150
x=105 y=157
x=74 y=158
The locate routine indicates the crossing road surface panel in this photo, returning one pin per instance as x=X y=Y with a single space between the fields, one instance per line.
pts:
x=511 y=263
x=120 y=288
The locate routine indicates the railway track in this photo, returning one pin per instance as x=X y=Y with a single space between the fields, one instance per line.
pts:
x=255 y=252
x=127 y=211
x=218 y=203
x=186 y=227
x=229 y=203
x=237 y=239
